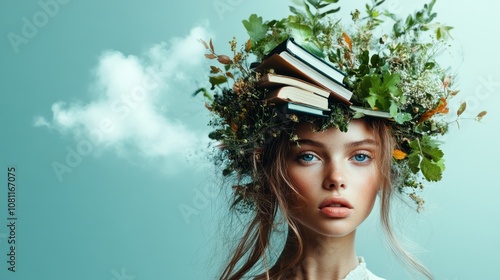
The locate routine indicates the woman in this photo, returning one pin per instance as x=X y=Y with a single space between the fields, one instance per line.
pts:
x=325 y=185
x=320 y=173
x=335 y=177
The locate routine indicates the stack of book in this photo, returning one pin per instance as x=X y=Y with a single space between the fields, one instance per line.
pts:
x=300 y=81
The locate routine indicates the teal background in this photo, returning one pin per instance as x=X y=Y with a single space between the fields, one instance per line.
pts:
x=117 y=214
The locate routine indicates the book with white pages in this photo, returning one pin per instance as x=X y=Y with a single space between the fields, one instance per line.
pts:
x=295 y=108
x=288 y=65
x=298 y=51
x=297 y=95
x=271 y=80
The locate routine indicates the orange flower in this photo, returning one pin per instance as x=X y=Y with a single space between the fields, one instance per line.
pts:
x=347 y=40
x=440 y=109
x=398 y=154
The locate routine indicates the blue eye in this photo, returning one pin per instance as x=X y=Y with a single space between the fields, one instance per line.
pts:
x=307 y=157
x=361 y=158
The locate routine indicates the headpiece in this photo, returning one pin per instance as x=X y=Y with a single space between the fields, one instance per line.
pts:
x=393 y=74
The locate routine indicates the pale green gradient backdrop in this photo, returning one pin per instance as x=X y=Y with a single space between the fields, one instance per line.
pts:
x=112 y=218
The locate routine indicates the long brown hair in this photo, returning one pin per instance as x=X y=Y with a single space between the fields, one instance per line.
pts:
x=275 y=189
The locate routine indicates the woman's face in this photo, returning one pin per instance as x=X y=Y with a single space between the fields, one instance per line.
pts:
x=336 y=173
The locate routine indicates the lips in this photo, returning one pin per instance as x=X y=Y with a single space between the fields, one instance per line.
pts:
x=335 y=202
x=336 y=207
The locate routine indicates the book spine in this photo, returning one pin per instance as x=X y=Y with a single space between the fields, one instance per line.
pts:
x=303 y=109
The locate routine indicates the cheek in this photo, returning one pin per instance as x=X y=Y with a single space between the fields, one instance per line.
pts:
x=297 y=179
x=372 y=196
x=301 y=190
x=369 y=186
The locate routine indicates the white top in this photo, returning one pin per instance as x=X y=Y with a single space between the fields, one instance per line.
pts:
x=360 y=272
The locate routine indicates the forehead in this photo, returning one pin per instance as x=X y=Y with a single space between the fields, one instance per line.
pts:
x=357 y=130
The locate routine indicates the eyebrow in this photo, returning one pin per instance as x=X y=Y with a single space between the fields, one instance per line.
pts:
x=353 y=144
x=364 y=142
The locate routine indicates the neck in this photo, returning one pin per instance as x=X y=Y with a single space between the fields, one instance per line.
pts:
x=325 y=257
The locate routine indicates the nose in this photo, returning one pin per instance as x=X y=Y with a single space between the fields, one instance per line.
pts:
x=335 y=177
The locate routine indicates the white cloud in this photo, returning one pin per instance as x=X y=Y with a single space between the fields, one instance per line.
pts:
x=140 y=103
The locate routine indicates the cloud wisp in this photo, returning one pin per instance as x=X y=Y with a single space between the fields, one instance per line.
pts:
x=139 y=105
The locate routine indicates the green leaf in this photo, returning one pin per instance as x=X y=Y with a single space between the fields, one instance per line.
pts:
x=440 y=163
x=333 y=57
x=364 y=69
x=409 y=22
x=365 y=57
x=419 y=16
x=269 y=46
x=295 y=11
x=375 y=60
x=438 y=34
x=382 y=92
x=372 y=100
x=429 y=65
x=398 y=30
x=391 y=16
x=329 y=12
x=217 y=80
x=431 y=17
x=308 y=10
x=430 y=6
x=442 y=31
x=431 y=170
x=415 y=145
x=433 y=153
x=427 y=141
x=414 y=162
x=255 y=27
x=313 y=48
x=300 y=32
x=204 y=90
x=358 y=115
x=313 y=2
x=391 y=80
x=393 y=110
x=401 y=118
